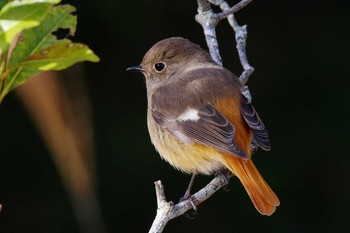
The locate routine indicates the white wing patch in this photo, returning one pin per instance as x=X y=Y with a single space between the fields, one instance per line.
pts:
x=190 y=114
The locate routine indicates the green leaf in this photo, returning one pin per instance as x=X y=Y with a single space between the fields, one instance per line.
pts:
x=59 y=56
x=19 y=15
x=39 y=38
x=38 y=49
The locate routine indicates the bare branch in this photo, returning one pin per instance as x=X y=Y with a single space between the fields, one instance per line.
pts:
x=207 y=18
x=232 y=10
x=164 y=209
x=240 y=35
x=167 y=210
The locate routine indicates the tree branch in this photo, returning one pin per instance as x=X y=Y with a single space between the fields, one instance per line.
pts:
x=208 y=20
x=167 y=210
x=240 y=34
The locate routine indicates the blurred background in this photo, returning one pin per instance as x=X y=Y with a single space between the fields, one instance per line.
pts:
x=75 y=154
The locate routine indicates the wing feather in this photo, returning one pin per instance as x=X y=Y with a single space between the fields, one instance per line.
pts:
x=253 y=120
x=209 y=128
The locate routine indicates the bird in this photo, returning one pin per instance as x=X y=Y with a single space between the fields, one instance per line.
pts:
x=199 y=121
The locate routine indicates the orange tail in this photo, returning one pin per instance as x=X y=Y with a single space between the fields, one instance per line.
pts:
x=262 y=196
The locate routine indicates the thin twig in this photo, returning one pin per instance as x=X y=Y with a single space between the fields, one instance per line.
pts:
x=232 y=10
x=240 y=35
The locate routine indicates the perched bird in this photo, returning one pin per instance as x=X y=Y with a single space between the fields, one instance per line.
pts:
x=199 y=121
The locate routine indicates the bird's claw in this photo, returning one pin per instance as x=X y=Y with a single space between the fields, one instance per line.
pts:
x=191 y=214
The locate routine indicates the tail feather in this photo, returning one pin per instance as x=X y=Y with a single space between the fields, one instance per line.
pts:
x=262 y=196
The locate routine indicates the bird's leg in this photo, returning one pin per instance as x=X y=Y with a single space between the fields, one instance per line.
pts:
x=189 y=187
x=192 y=214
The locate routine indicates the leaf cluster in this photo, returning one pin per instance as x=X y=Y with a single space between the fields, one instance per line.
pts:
x=28 y=45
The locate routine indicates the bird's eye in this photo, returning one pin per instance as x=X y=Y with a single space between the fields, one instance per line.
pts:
x=159 y=66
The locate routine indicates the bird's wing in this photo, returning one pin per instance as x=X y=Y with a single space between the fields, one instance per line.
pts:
x=203 y=125
x=253 y=120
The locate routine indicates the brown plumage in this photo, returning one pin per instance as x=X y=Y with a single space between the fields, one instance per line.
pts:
x=198 y=119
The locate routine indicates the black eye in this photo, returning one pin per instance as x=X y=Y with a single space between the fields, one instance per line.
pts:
x=159 y=66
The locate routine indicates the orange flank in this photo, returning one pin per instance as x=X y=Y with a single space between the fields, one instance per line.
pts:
x=262 y=196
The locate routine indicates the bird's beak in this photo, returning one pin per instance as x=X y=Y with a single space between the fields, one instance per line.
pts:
x=135 y=68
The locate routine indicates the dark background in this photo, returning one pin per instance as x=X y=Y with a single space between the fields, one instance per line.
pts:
x=300 y=87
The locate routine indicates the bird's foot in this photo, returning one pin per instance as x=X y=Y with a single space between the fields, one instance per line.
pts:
x=192 y=213
x=226 y=175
